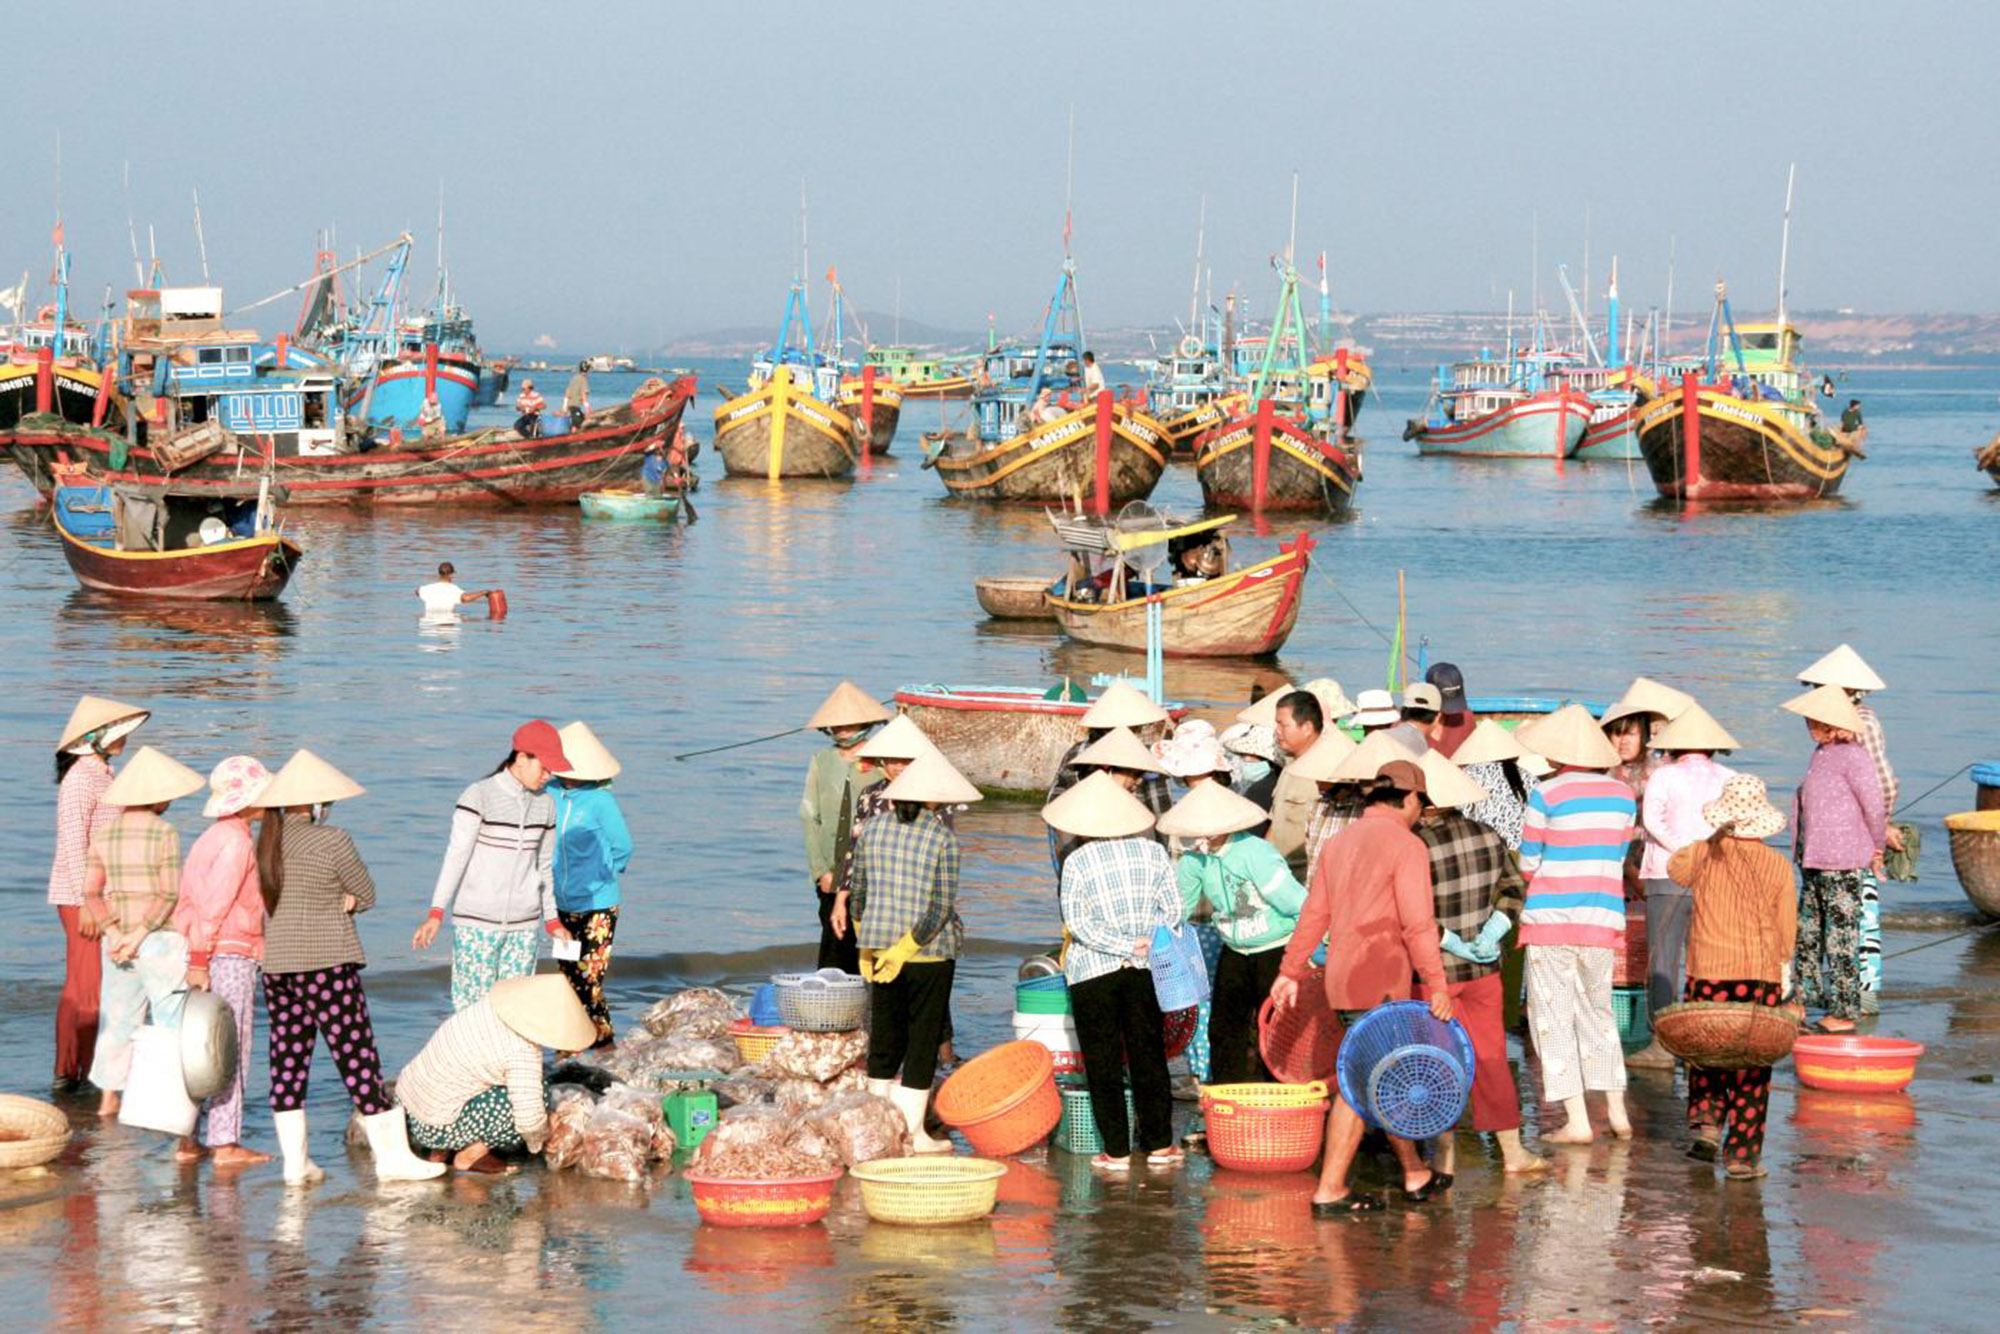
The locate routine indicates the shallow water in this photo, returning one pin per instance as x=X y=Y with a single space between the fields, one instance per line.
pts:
x=673 y=639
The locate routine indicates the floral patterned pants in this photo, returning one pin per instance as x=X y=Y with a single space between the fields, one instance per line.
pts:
x=1827 y=960
x=481 y=956
x=487 y=1118
x=586 y=975
x=1735 y=1099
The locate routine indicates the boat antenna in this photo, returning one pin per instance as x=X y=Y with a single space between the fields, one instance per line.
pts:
x=1292 y=239
x=1667 y=318
x=1586 y=268
x=1535 y=263
x=1200 y=238
x=1069 y=261
x=441 y=293
x=200 y=236
x=1785 y=240
x=132 y=229
x=899 y=310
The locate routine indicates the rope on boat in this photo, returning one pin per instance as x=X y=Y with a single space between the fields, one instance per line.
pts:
x=1930 y=792
x=1341 y=593
x=738 y=745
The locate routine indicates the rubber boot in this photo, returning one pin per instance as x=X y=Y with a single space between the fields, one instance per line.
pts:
x=299 y=1169
x=912 y=1103
x=389 y=1145
x=882 y=1088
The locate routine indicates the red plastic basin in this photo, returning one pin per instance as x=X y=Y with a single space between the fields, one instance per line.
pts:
x=1851 y=1063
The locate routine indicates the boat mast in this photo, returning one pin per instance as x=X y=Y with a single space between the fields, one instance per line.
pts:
x=201 y=237
x=1200 y=237
x=1610 y=316
x=1667 y=317
x=1785 y=242
x=1069 y=196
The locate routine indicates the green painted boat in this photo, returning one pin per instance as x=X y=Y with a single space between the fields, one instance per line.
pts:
x=628 y=503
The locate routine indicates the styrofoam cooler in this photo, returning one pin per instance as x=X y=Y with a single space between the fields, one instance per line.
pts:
x=1057 y=1032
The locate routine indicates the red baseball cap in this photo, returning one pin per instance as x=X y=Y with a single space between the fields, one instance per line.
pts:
x=540 y=740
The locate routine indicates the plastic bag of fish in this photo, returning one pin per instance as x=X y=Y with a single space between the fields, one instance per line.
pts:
x=619 y=1137
x=764 y=1142
x=820 y=1057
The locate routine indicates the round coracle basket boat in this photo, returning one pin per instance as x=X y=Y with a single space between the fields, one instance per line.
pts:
x=1975 y=855
x=31 y=1132
x=1014 y=598
x=1727 y=1035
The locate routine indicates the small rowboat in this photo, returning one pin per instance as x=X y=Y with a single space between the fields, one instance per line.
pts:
x=1975 y=856
x=629 y=502
x=162 y=544
x=1005 y=739
x=1015 y=598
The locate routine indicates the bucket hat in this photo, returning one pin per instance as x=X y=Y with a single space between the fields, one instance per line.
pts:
x=1122 y=705
x=107 y=717
x=931 y=777
x=307 y=780
x=900 y=740
x=544 y=1009
x=1844 y=668
x=1118 y=749
x=1823 y=704
x=1694 y=730
x=1211 y=811
x=1376 y=708
x=1098 y=807
x=847 y=706
x=1568 y=736
x=234 y=785
x=151 y=777
x=1744 y=809
x=1253 y=739
x=1193 y=750
x=589 y=761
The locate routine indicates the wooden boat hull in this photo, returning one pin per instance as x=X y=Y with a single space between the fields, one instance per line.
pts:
x=485 y=468
x=1015 y=598
x=254 y=569
x=1056 y=462
x=1299 y=470
x=1185 y=427
x=887 y=409
x=1748 y=451
x=777 y=430
x=956 y=386
x=1541 y=426
x=74 y=392
x=635 y=503
x=1248 y=613
x=1006 y=740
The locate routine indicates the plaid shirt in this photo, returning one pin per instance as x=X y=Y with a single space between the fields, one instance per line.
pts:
x=1114 y=892
x=871 y=804
x=1870 y=737
x=906 y=882
x=1472 y=875
x=80 y=816
x=139 y=856
x=1329 y=816
x=310 y=929
x=1152 y=790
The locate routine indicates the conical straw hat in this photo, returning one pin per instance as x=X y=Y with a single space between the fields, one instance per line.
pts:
x=544 y=1009
x=149 y=778
x=1844 y=668
x=589 y=761
x=847 y=706
x=1569 y=736
x=308 y=780
x=1364 y=764
x=1123 y=705
x=1333 y=703
x=1210 y=811
x=1323 y=757
x=1822 y=704
x=1445 y=784
x=93 y=712
x=1645 y=695
x=900 y=740
x=931 y=777
x=1119 y=749
x=1694 y=730
x=1098 y=807
x=1487 y=743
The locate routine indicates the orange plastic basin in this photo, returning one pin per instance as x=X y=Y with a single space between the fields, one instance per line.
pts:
x=1851 y=1063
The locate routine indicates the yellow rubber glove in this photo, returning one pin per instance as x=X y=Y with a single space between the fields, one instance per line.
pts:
x=889 y=962
x=868 y=965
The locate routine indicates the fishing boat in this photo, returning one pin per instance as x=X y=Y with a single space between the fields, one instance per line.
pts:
x=874 y=406
x=785 y=424
x=1011 y=597
x=1120 y=570
x=1006 y=740
x=629 y=502
x=1987 y=458
x=1025 y=444
x=1501 y=408
x=494 y=376
x=52 y=370
x=162 y=543
x=920 y=376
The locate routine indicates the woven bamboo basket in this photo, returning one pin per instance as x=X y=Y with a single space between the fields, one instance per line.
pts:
x=31 y=1131
x=1727 y=1035
x=1975 y=855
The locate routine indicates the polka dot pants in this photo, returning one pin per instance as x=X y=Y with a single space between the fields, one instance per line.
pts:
x=1737 y=1099
x=329 y=1002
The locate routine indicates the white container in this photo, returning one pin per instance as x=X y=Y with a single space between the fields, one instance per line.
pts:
x=156 y=1091
x=1057 y=1032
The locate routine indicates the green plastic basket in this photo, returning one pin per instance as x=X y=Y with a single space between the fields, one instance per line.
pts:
x=1629 y=1005
x=1041 y=1000
x=1077 y=1131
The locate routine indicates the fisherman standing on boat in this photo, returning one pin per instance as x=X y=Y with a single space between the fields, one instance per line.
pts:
x=576 y=395
x=1850 y=420
x=1093 y=376
x=530 y=405
x=430 y=418
x=826 y=811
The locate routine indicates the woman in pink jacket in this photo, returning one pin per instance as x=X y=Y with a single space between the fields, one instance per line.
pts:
x=221 y=913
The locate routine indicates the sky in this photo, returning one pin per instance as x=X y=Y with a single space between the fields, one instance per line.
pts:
x=619 y=174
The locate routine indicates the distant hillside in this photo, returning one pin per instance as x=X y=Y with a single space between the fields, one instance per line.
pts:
x=881 y=328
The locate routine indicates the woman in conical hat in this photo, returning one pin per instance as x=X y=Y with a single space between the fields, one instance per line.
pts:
x=904 y=900
x=313 y=882
x=593 y=847
x=1117 y=888
x=1253 y=900
x=1491 y=757
x=1122 y=705
x=131 y=881
x=96 y=731
x=1840 y=826
x=826 y=810
x=1843 y=667
x=1630 y=723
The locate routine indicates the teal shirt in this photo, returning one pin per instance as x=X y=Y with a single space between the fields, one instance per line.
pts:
x=592 y=848
x=1251 y=891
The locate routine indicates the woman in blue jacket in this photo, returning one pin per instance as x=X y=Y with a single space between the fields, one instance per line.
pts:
x=592 y=849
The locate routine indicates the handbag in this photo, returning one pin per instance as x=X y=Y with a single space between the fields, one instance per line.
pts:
x=1180 y=979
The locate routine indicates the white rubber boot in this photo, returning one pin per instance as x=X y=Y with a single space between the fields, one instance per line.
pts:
x=389 y=1144
x=912 y=1104
x=881 y=1088
x=299 y=1169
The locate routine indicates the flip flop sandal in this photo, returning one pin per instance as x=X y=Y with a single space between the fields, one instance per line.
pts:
x=1438 y=1182
x=1167 y=1157
x=1354 y=1202
x=1741 y=1172
x=1106 y=1163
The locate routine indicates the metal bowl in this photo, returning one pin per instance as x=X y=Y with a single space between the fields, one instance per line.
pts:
x=208 y=1045
x=1039 y=965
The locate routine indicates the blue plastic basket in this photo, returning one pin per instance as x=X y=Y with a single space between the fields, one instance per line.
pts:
x=1404 y=1071
x=1987 y=775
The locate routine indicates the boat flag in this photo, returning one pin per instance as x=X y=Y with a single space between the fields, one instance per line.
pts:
x=56 y=236
x=12 y=297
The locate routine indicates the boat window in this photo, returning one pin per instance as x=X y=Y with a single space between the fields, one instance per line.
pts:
x=1761 y=342
x=208 y=356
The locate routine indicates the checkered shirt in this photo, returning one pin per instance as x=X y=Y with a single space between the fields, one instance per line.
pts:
x=1114 y=892
x=1870 y=737
x=906 y=883
x=1153 y=791
x=139 y=855
x=1472 y=874
x=871 y=804
x=310 y=929
x=80 y=816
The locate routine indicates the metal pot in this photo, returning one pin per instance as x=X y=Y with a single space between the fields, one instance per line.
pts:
x=1039 y=965
x=208 y=1045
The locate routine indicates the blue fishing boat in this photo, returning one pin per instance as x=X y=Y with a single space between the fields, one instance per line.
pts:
x=1520 y=405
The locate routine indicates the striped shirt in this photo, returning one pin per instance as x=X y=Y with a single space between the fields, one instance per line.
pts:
x=906 y=883
x=80 y=816
x=470 y=1053
x=499 y=868
x=310 y=928
x=1115 y=891
x=139 y=857
x=1573 y=841
x=1746 y=913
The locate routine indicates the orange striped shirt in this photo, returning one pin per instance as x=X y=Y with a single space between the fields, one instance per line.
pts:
x=1746 y=912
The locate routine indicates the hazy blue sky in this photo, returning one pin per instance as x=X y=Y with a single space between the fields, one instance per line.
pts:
x=620 y=172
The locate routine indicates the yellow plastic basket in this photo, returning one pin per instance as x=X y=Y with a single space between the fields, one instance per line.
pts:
x=929 y=1191
x=1266 y=1095
x=754 y=1043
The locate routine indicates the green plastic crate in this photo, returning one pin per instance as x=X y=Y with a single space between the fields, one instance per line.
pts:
x=1076 y=1132
x=1629 y=1005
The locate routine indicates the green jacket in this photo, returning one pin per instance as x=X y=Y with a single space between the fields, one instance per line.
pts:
x=1252 y=892
x=826 y=810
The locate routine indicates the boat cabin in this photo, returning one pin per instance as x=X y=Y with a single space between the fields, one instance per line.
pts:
x=141 y=519
x=1769 y=366
x=1114 y=561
